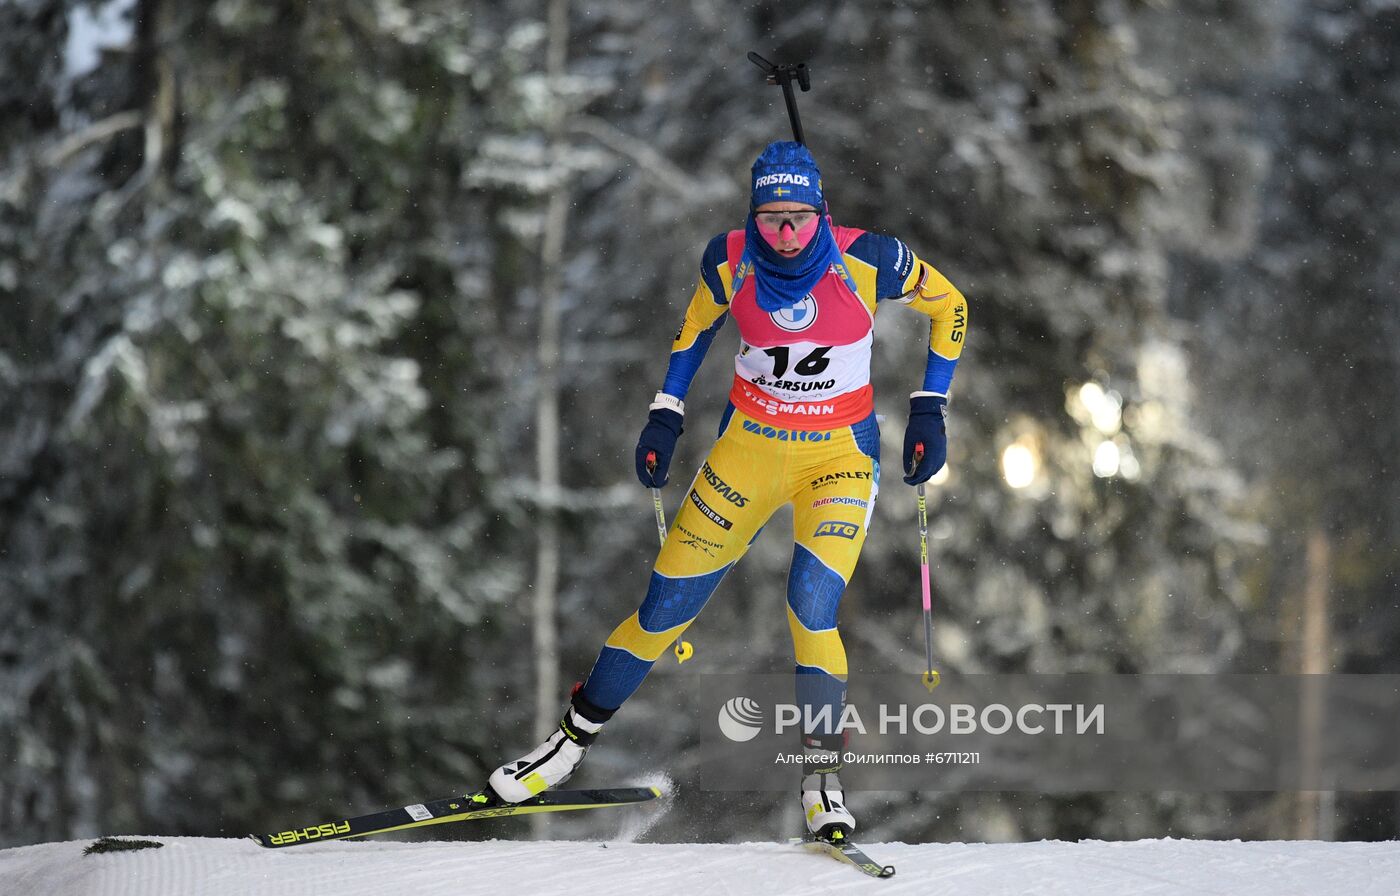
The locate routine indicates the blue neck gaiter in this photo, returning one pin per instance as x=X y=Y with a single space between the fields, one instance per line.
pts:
x=782 y=282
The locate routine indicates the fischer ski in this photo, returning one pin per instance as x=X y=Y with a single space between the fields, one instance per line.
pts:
x=843 y=850
x=473 y=807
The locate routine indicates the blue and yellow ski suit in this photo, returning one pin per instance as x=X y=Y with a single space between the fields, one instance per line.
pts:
x=800 y=429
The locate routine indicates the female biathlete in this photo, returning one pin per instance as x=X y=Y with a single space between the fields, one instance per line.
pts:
x=799 y=428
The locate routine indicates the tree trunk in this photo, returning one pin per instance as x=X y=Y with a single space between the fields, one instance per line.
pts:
x=1315 y=663
x=547 y=442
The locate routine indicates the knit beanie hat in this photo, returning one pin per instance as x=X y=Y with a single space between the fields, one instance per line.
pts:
x=786 y=172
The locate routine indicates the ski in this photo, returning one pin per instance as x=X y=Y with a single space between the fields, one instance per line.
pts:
x=844 y=850
x=473 y=807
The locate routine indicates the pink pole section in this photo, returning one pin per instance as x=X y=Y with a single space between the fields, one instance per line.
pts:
x=931 y=676
x=928 y=596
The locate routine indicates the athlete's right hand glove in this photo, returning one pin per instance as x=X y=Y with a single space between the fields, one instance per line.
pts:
x=658 y=439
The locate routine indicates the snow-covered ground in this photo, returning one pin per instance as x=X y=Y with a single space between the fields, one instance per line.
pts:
x=190 y=866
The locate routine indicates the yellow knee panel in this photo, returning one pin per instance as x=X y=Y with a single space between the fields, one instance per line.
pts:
x=631 y=637
x=820 y=650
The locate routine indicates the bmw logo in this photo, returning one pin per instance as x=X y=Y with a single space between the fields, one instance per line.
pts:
x=798 y=316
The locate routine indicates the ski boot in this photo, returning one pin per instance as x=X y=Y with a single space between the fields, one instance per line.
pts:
x=552 y=762
x=823 y=804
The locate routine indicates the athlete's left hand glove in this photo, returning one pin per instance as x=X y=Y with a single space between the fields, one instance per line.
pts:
x=925 y=428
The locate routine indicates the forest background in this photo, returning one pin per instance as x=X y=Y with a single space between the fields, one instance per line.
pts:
x=329 y=329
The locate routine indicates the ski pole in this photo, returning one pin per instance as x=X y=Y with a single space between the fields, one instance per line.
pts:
x=656 y=498
x=783 y=76
x=682 y=648
x=931 y=676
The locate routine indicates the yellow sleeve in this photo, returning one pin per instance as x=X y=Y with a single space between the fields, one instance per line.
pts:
x=703 y=317
x=929 y=292
x=700 y=315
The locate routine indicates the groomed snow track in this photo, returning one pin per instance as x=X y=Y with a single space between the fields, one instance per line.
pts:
x=190 y=866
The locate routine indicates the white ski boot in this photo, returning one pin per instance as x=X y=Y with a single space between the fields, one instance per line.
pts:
x=823 y=804
x=550 y=764
x=824 y=807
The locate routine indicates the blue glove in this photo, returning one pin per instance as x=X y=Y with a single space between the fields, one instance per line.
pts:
x=926 y=428
x=658 y=437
